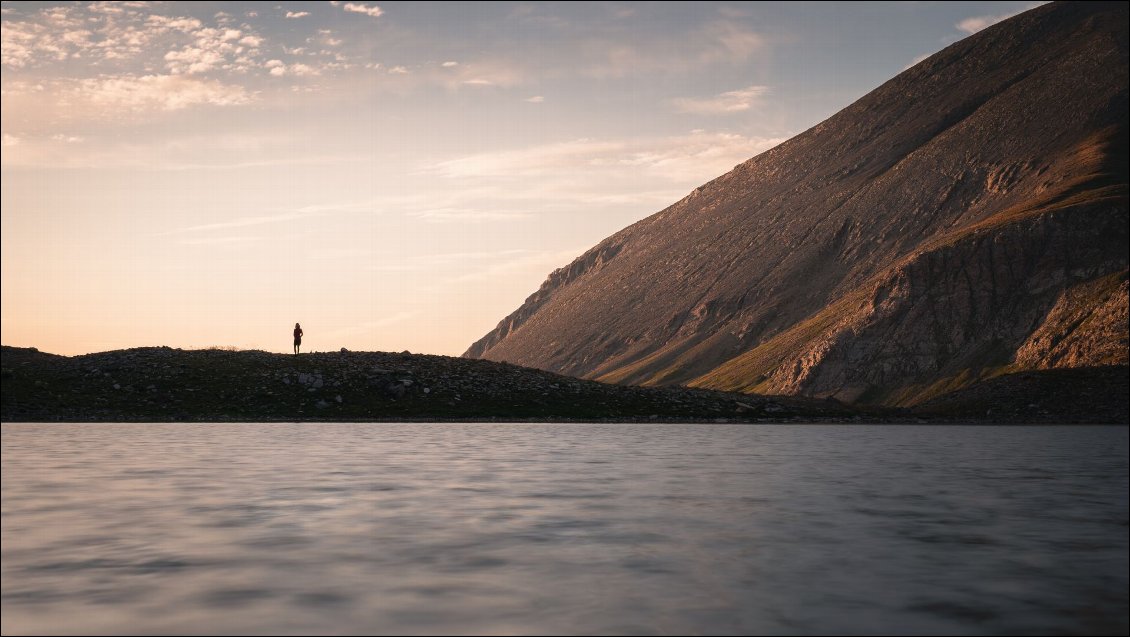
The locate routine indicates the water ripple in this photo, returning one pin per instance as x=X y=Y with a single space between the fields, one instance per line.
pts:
x=575 y=529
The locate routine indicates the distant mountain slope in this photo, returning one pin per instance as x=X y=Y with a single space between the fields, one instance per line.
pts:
x=920 y=236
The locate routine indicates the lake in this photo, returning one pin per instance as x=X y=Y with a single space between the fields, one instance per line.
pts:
x=563 y=528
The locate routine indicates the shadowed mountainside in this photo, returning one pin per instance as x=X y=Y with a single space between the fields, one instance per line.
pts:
x=966 y=219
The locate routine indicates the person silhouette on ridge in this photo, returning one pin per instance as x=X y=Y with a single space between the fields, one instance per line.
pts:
x=297 y=337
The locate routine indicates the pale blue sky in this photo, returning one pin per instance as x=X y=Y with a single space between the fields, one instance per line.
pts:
x=392 y=175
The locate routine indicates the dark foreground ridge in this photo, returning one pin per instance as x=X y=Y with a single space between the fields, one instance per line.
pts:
x=160 y=384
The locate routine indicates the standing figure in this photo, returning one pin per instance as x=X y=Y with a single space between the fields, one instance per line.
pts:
x=297 y=337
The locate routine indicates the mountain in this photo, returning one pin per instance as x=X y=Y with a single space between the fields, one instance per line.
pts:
x=966 y=219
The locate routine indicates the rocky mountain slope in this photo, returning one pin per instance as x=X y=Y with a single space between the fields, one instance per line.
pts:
x=965 y=219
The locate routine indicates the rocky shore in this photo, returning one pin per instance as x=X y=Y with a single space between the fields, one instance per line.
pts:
x=161 y=384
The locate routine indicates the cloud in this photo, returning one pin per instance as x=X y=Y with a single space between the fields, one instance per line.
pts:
x=734 y=12
x=367 y=327
x=223 y=151
x=53 y=34
x=302 y=69
x=10 y=140
x=977 y=23
x=214 y=48
x=484 y=265
x=243 y=222
x=326 y=38
x=916 y=60
x=463 y=213
x=126 y=39
x=161 y=92
x=293 y=15
x=527 y=161
x=193 y=60
x=711 y=44
x=123 y=33
x=536 y=99
x=204 y=241
x=451 y=259
x=372 y=11
x=634 y=172
x=480 y=73
x=453 y=76
x=278 y=68
x=182 y=24
x=723 y=103
x=535 y=262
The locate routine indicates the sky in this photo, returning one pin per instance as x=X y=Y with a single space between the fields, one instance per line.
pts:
x=393 y=176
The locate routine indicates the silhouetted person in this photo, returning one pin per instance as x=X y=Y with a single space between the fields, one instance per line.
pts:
x=297 y=337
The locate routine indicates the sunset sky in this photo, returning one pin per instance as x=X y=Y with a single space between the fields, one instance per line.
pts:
x=393 y=176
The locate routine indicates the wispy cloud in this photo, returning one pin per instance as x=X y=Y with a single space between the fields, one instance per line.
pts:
x=466 y=267
x=977 y=23
x=713 y=43
x=293 y=15
x=211 y=241
x=365 y=328
x=243 y=222
x=536 y=99
x=626 y=174
x=449 y=260
x=370 y=10
x=528 y=161
x=695 y=157
x=723 y=103
x=468 y=214
x=916 y=60
x=537 y=262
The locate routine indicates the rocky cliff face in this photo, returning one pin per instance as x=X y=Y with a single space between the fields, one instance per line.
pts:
x=946 y=224
x=1085 y=328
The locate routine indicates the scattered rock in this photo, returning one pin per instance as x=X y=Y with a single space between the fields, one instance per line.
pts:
x=217 y=386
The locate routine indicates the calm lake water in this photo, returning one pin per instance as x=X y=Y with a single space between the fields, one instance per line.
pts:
x=489 y=528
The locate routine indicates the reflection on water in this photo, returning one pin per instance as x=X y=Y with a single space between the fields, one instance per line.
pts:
x=643 y=529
